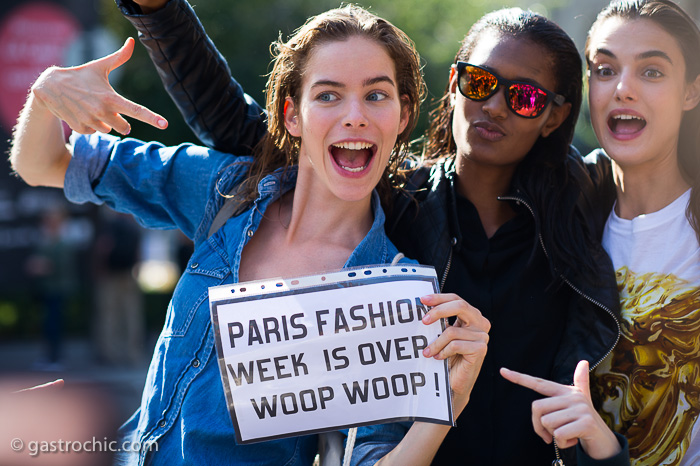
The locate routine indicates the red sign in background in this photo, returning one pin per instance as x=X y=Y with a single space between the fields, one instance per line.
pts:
x=33 y=37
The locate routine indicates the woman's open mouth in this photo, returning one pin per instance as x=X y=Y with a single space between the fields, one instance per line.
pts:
x=625 y=125
x=352 y=157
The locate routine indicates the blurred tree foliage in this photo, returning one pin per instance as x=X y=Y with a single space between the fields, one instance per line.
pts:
x=244 y=29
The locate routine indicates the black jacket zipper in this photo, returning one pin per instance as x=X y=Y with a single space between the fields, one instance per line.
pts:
x=558 y=461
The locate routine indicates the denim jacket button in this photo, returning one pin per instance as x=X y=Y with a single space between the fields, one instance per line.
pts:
x=162 y=423
x=195 y=363
x=194 y=265
x=250 y=233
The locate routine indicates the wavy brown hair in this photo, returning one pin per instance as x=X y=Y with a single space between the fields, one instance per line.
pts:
x=672 y=19
x=279 y=148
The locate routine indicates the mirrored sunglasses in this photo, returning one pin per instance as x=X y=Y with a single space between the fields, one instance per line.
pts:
x=524 y=99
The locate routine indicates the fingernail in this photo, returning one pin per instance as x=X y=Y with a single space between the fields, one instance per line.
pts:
x=426 y=352
x=426 y=319
x=128 y=130
x=162 y=123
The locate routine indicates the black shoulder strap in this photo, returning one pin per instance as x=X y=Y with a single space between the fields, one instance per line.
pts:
x=405 y=197
x=231 y=207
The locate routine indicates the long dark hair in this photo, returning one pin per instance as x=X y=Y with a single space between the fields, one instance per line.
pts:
x=672 y=19
x=543 y=176
x=279 y=148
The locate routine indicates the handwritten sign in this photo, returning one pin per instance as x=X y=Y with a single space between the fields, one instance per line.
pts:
x=327 y=352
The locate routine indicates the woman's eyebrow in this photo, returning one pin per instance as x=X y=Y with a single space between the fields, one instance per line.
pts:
x=604 y=52
x=655 y=54
x=365 y=83
x=327 y=82
x=378 y=79
x=640 y=56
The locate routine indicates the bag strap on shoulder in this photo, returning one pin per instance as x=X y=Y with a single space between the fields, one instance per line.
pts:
x=406 y=196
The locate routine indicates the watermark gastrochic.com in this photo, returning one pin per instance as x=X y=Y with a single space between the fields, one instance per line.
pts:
x=39 y=447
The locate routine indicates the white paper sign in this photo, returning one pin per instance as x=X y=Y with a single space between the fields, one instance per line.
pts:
x=331 y=351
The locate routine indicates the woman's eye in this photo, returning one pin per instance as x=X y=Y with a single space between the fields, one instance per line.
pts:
x=327 y=97
x=377 y=96
x=653 y=73
x=604 y=71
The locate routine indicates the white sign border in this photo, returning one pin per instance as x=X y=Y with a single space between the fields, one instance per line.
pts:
x=351 y=276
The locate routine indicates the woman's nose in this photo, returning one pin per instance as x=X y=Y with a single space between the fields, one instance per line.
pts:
x=625 y=89
x=496 y=106
x=355 y=116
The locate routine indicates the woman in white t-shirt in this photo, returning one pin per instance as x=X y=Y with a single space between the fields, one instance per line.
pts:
x=644 y=89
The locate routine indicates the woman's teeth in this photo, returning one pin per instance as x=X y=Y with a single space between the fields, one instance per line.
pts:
x=353 y=145
x=627 y=117
x=352 y=156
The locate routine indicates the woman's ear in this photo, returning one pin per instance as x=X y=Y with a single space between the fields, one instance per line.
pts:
x=405 y=113
x=556 y=118
x=291 y=119
x=453 y=85
x=692 y=95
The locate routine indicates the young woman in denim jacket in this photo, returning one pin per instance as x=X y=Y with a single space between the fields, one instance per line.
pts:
x=507 y=214
x=309 y=204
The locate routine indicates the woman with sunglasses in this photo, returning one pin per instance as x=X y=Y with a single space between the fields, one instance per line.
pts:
x=519 y=210
x=502 y=209
x=644 y=89
x=307 y=204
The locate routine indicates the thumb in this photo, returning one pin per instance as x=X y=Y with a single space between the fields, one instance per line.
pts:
x=118 y=58
x=581 y=380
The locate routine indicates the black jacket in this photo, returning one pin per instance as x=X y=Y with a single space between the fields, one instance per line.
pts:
x=593 y=329
x=222 y=116
x=198 y=78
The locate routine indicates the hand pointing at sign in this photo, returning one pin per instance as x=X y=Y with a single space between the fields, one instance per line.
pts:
x=568 y=415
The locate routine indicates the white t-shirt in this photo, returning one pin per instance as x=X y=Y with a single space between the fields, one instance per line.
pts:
x=650 y=384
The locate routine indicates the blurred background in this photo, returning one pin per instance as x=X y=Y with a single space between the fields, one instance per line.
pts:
x=83 y=291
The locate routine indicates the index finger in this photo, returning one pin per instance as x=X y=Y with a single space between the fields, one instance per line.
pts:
x=541 y=386
x=141 y=113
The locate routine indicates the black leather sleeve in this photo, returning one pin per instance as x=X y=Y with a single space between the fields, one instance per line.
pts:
x=197 y=77
x=600 y=170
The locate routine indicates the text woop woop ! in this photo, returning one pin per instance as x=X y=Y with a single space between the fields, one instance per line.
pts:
x=329 y=351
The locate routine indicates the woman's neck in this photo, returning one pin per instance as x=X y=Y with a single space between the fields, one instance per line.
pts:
x=482 y=185
x=306 y=231
x=310 y=216
x=644 y=189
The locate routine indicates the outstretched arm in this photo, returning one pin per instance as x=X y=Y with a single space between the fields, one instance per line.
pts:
x=196 y=76
x=83 y=98
x=567 y=414
x=464 y=343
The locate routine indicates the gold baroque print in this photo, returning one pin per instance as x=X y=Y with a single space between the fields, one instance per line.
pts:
x=649 y=388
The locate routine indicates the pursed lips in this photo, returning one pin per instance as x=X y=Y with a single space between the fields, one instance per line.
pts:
x=488 y=130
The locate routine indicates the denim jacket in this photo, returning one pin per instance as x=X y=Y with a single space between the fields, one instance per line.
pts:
x=183 y=410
